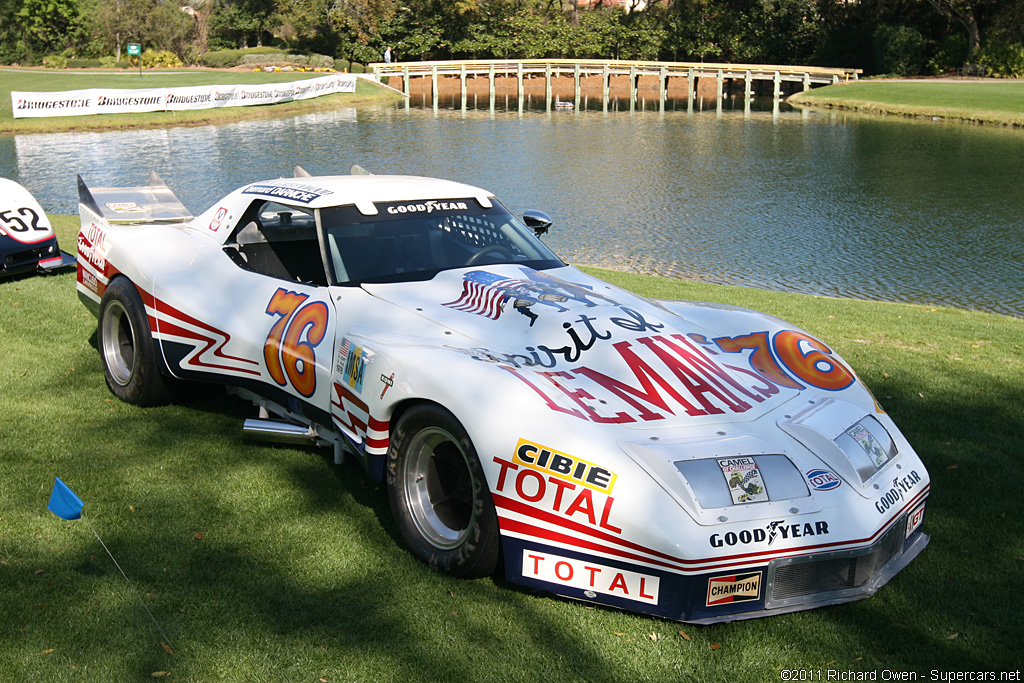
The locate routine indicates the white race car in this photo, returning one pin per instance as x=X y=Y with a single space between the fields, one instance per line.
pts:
x=27 y=241
x=695 y=461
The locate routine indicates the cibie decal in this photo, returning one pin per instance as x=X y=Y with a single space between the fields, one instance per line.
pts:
x=590 y=577
x=564 y=466
x=823 y=480
x=724 y=590
x=744 y=479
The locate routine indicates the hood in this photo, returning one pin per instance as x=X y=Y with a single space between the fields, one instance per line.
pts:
x=597 y=351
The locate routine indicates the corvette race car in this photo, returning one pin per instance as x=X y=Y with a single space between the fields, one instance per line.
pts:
x=696 y=461
x=27 y=241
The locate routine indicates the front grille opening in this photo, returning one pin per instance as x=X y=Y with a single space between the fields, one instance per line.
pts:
x=16 y=258
x=818 y=576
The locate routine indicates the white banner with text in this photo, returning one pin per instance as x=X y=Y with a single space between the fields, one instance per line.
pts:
x=123 y=101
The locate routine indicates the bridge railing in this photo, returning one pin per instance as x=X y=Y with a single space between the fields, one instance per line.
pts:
x=818 y=74
x=524 y=69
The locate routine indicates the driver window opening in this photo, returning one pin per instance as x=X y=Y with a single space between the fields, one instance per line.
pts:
x=279 y=241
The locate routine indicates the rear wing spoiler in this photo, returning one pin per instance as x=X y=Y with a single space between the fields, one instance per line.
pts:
x=145 y=204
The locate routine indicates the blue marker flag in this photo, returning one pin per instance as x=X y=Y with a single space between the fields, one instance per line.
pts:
x=63 y=501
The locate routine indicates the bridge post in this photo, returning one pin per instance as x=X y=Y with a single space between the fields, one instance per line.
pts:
x=604 y=77
x=491 y=89
x=576 y=85
x=547 y=86
x=777 y=81
x=462 y=85
x=720 y=79
x=835 y=79
x=807 y=81
x=405 y=81
x=632 y=87
x=433 y=77
x=748 y=82
x=519 y=78
x=691 y=86
x=662 y=88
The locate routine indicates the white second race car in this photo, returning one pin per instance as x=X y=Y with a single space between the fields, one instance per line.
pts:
x=690 y=460
x=27 y=241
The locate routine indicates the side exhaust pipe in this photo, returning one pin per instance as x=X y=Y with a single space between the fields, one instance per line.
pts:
x=278 y=431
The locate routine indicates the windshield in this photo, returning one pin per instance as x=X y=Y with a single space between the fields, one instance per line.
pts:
x=408 y=241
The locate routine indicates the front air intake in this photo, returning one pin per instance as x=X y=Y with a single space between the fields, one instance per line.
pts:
x=828 y=576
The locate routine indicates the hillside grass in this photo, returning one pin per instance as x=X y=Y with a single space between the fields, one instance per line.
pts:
x=266 y=563
x=992 y=102
x=44 y=80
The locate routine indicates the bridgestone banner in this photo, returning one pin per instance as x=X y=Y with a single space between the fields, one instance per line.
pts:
x=112 y=101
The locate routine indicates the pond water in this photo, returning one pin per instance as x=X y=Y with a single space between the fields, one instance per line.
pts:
x=875 y=208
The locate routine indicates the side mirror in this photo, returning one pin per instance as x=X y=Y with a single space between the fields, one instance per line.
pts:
x=538 y=221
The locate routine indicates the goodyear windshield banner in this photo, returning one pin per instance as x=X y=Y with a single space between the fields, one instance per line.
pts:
x=123 y=101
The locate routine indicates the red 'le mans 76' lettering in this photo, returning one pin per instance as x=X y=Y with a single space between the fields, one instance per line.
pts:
x=671 y=374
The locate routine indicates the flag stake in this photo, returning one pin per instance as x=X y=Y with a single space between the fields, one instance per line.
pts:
x=134 y=590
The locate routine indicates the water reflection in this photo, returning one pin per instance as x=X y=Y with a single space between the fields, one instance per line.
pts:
x=746 y=193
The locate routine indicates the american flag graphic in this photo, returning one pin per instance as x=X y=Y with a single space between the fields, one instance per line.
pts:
x=484 y=294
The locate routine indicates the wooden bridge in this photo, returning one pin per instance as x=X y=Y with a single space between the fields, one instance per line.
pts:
x=676 y=79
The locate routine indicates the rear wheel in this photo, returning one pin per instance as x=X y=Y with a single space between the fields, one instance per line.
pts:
x=129 y=356
x=439 y=495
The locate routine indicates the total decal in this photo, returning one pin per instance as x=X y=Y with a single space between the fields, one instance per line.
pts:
x=823 y=480
x=550 y=480
x=591 y=577
x=92 y=248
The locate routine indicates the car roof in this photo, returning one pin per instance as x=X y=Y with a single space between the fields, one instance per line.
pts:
x=317 y=192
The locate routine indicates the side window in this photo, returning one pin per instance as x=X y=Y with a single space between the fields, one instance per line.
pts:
x=278 y=240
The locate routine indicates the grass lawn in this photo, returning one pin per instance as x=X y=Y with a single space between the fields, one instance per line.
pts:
x=1000 y=102
x=266 y=563
x=38 y=80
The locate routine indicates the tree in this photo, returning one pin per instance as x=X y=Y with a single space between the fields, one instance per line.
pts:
x=961 y=11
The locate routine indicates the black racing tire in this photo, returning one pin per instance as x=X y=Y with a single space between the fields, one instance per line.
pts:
x=130 y=361
x=439 y=495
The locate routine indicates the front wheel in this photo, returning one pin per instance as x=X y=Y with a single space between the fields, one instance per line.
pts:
x=129 y=356
x=439 y=496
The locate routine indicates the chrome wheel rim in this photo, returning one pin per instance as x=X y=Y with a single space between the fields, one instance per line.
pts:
x=439 y=487
x=118 y=343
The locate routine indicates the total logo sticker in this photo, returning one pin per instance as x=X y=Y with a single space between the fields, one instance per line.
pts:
x=823 y=480
x=590 y=577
